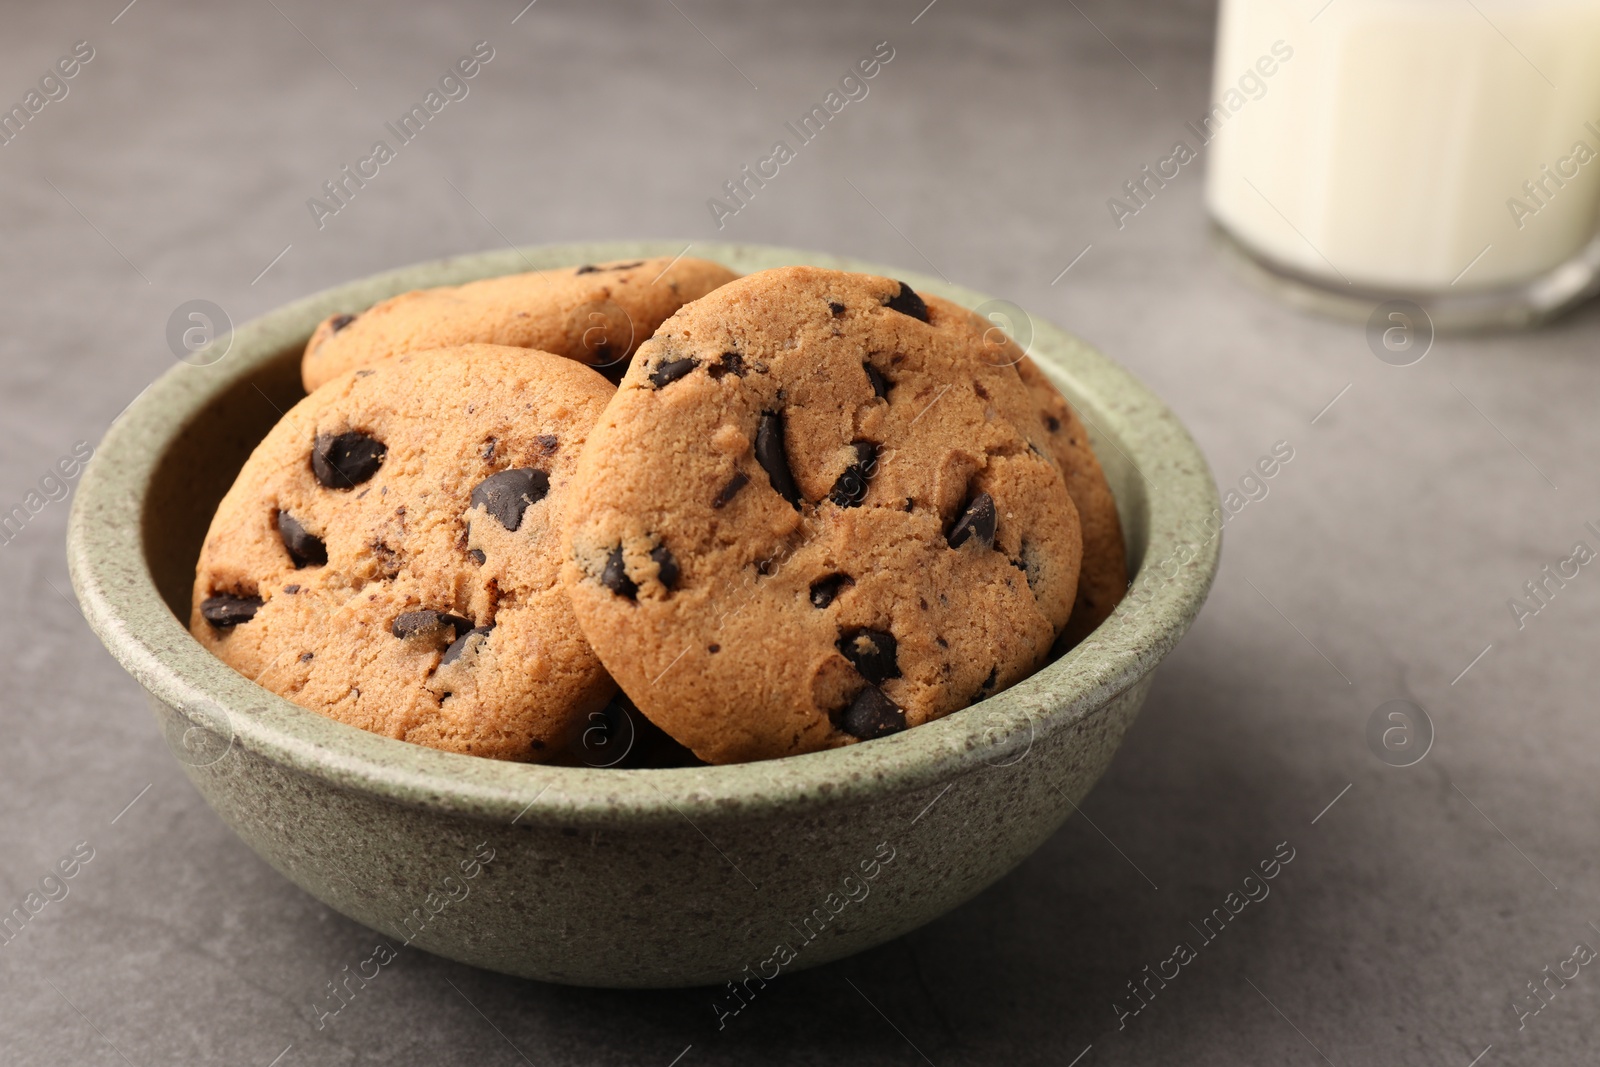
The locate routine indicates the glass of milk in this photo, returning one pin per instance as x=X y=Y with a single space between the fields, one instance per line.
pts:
x=1443 y=151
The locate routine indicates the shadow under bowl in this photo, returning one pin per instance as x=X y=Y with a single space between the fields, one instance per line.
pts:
x=606 y=877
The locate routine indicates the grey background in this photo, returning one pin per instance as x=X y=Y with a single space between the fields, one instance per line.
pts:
x=1378 y=567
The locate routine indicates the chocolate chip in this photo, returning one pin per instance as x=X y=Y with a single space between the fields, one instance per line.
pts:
x=713 y=649
x=836 y=307
x=488 y=449
x=871 y=652
x=344 y=461
x=731 y=490
x=305 y=550
x=907 y=302
x=669 y=371
x=508 y=494
x=609 y=736
x=339 y=322
x=476 y=555
x=851 y=488
x=307 y=657
x=880 y=384
x=824 y=589
x=459 y=645
x=225 y=610
x=291 y=589
x=615 y=576
x=987 y=688
x=411 y=623
x=977 y=521
x=587 y=268
x=547 y=443
x=730 y=363
x=1052 y=423
x=666 y=566
x=774 y=458
x=871 y=714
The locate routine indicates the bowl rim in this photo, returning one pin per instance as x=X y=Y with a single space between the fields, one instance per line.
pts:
x=123 y=606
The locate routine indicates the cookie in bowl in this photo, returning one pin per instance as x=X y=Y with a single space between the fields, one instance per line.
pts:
x=595 y=313
x=1103 y=578
x=388 y=555
x=813 y=514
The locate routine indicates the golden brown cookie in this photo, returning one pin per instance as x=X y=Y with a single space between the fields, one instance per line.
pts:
x=596 y=314
x=1104 y=577
x=813 y=514
x=389 y=554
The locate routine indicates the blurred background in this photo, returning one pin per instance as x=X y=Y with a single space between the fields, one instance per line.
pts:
x=1433 y=878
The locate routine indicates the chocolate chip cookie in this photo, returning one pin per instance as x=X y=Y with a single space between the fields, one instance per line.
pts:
x=814 y=514
x=1103 y=579
x=389 y=554
x=594 y=313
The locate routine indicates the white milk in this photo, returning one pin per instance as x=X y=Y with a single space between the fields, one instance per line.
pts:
x=1409 y=144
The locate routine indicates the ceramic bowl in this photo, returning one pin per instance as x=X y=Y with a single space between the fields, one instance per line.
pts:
x=607 y=877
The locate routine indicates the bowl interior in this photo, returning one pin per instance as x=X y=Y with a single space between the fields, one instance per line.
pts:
x=198 y=466
x=176 y=450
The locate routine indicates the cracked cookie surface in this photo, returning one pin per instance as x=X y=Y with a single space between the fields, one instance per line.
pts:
x=597 y=314
x=389 y=554
x=815 y=514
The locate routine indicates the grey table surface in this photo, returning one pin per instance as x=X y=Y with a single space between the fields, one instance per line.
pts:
x=1417 y=907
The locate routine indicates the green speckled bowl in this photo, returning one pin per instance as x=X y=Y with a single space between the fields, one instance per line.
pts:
x=621 y=877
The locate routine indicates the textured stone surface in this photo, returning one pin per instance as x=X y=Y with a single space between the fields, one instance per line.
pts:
x=1406 y=923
